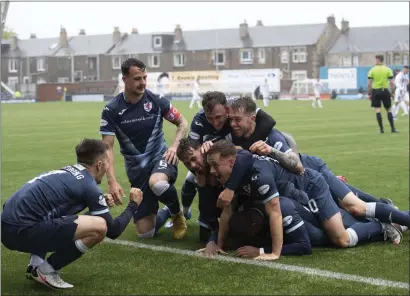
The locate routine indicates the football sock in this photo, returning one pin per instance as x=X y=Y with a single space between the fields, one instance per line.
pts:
x=379 y=120
x=387 y=214
x=63 y=257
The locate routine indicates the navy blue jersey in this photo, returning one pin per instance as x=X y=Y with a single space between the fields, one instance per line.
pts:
x=54 y=194
x=138 y=128
x=278 y=141
x=202 y=130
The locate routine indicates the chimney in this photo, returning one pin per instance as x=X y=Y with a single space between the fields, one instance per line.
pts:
x=331 y=20
x=259 y=23
x=33 y=36
x=116 y=35
x=82 y=32
x=344 y=26
x=178 y=34
x=134 y=31
x=63 y=38
x=243 y=30
x=14 y=42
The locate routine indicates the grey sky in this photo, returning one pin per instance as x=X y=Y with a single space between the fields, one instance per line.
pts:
x=45 y=18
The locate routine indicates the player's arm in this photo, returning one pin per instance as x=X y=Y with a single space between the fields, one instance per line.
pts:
x=224 y=225
x=391 y=80
x=264 y=190
x=97 y=205
x=277 y=147
x=107 y=131
x=370 y=81
x=172 y=115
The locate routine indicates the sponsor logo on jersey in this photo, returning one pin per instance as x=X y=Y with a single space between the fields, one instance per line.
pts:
x=122 y=112
x=198 y=123
x=193 y=136
x=287 y=220
x=103 y=122
x=101 y=200
x=278 y=145
x=263 y=189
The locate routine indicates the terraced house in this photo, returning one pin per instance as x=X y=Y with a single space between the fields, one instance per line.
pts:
x=298 y=50
x=358 y=46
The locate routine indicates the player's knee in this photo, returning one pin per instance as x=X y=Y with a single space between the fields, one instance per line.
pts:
x=100 y=228
x=342 y=240
x=146 y=234
x=159 y=187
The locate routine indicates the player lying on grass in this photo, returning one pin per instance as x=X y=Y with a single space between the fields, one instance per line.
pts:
x=42 y=216
x=249 y=228
x=212 y=122
x=266 y=180
x=242 y=116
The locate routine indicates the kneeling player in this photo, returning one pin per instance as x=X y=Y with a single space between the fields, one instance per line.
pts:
x=41 y=216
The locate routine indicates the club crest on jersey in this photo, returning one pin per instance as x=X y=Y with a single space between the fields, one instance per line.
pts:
x=148 y=106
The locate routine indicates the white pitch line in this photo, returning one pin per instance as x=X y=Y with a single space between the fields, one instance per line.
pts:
x=272 y=265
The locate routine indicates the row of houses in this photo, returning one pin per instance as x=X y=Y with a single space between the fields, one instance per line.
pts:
x=297 y=50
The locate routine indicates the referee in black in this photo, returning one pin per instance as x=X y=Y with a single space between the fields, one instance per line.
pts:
x=378 y=86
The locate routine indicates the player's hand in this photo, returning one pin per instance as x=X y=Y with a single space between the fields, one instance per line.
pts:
x=224 y=198
x=170 y=156
x=109 y=200
x=211 y=250
x=248 y=252
x=267 y=257
x=260 y=148
x=136 y=195
x=206 y=146
x=114 y=188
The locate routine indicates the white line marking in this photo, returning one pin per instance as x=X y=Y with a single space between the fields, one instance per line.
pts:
x=272 y=265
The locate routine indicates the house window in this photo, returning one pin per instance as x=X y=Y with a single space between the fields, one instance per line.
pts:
x=179 y=60
x=347 y=61
x=246 y=56
x=396 y=59
x=12 y=66
x=92 y=63
x=26 y=80
x=63 y=80
x=154 y=61
x=40 y=65
x=78 y=76
x=219 y=58
x=299 y=55
x=299 y=75
x=157 y=42
x=261 y=56
x=63 y=63
x=12 y=82
x=284 y=56
x=406 y=59
x=116 y=62
x=355 y=61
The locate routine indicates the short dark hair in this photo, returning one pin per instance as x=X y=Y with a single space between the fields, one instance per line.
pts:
x=185 y=145
x=211 y=99
x=131 y=62
x=243 y=226
x=406 y=67
x=380 y=57
x=246 y=103
x=88 y=150
x=224 y=148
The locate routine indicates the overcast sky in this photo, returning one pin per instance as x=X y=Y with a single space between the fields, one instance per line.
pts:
x=46 y=18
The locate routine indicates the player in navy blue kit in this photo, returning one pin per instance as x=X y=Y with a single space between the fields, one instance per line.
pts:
x=212 y=123
x=42 y=216
x=189 y=152
x=267 y=179
x=277 y=147
x=135 y=118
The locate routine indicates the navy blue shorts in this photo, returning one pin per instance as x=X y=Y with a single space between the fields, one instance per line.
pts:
x=338 y=189
x=320 y=202
x=208 y=212
x=149 y=204
x=45 y=236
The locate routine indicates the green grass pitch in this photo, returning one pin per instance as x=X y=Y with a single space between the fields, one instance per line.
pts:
x=41 y=137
